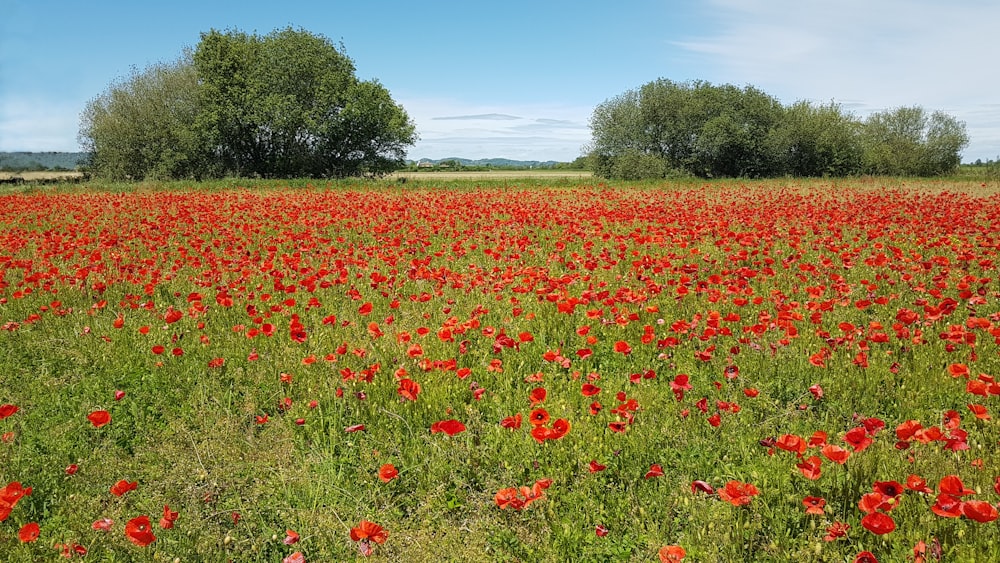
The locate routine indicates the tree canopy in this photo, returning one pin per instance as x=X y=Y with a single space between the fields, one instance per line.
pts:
x=285 y=104
x=700 y=129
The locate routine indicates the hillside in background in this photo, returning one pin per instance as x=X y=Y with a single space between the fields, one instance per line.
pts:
x=21 y=161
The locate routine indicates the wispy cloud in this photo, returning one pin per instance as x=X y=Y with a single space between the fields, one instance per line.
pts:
x=454 y=128
x=478 y=117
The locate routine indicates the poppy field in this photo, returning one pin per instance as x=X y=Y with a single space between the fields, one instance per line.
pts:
x=798 y=371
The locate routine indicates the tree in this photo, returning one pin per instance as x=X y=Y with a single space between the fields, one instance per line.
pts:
x=143 y=127
x=285 y=104
x=816 y=140
x=906 y=141
x=696 y=128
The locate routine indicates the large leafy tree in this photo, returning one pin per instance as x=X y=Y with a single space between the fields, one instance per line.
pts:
x=285 y=104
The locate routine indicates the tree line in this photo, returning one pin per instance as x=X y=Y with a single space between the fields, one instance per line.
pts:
x=667 y=128
x=283 y=105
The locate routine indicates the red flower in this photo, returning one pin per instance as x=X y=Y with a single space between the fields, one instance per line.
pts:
x=99 y=418
x=810 y=467
x=539 y=417
x=952 y=485
x=917 y=484
x=654 y=471
x=291 y=537
x=387 y=472
x=122 y=487
x=537 y=395
x=103 y=525
x=835 y=454
x=980 y=511
x=369 y=531
x=408 y=389
x=589 y=390
x=595 y=467
x=865 y=557
x=947 y=506
x=671 y=554
x=8 y=410
x=622 y=347
x=169 y=517
x=512 y=422
x=702 y=486
x=791 y=443
x=814 y=505
x=28 y=533
x=836 y=530
x=139 y=532
x=737 y=493
x=296 y=557
x=449 y=427
x=878 y=523
x=601 y=531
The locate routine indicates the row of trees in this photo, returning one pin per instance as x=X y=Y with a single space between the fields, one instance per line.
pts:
x=696 y=128
x=286 y=104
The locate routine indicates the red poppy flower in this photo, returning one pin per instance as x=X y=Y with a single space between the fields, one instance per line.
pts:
x=28 y=533
x=947 y=506
x=296 y=557
x=702 y=486
x=355 y=428
x=122 y=487
x=559 y=428
x=671 y=554
x=601 y=531
x=980 y=511
x=952 y=485
x=512 y=422
x=888 y=488
x=878 y=523
x=291 y=537
x=8 y=410
x=589 y=390
x=810 y=467
x=537 y=395
x=622 y=347
x=917 y=484
x=738 y=494
x=103 y=525
x=169 y=517
x=654 y=471
x=387 y=472
x=449 y=427
x=99 y=418
x=408 y=389
x=139 y=532
x=369 y=531
x=814 y=505
x=858 y=439
x=836 y=530
x=538 y=417
x=791 y=443
x=595 y=467
x=865 y=557
x=835 y=454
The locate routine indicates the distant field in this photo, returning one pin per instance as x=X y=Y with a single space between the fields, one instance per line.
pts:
x=496 y=174
x=42 y=175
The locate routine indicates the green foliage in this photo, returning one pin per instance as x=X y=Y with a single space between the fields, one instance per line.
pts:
x=282 y=105
x=906 y=141
x=723 y=131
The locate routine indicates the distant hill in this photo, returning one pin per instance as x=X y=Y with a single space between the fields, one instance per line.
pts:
x=20 y=161
x=489 y=162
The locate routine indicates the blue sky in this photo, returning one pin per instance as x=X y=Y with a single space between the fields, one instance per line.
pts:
x=520 y=79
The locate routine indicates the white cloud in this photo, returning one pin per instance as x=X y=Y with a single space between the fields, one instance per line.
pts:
x=38 y=125
x=867 y=55
x=453 y=128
